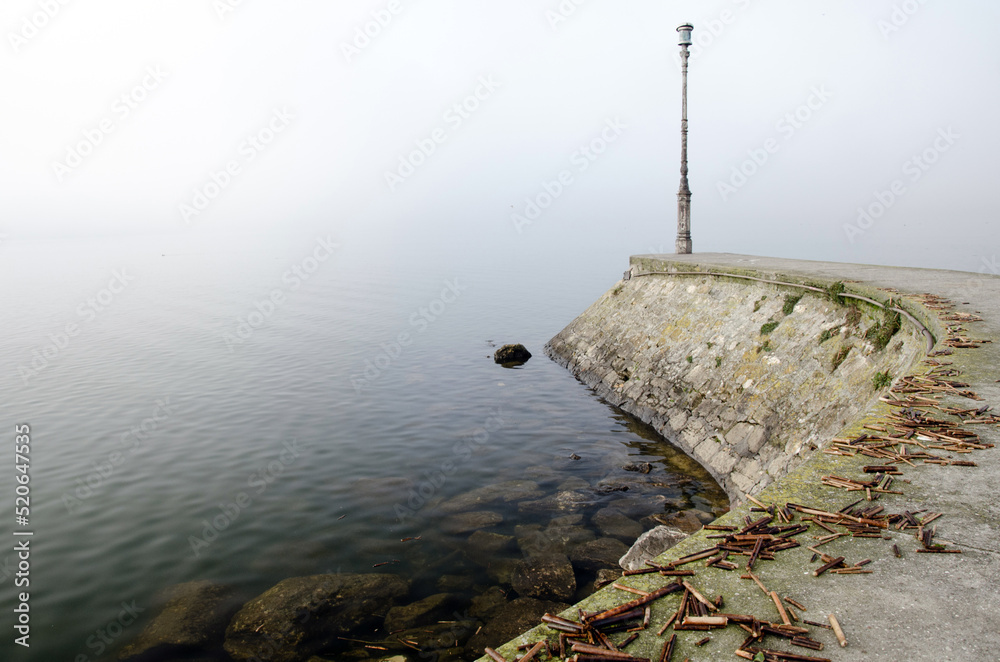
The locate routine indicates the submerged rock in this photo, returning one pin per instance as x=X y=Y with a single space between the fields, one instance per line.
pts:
x=487 y=604
x=573 y=483
x=302 y=616
x=422 y=612
x=511 y=490
x=556 y=539
x=686 y=520
x=600 y=553
x=545 y=577
x=609 y=488
x=639 y=482
x=641 y=467
x=439 y=638
x=542 y=473
x=485 y=544
x=511 y=354
x=613 y=523
x=454 y=583
x=605 y=576
x=472 y=521
x=638 y=507
x=650 y=545
x=511 y=620
x=560 y=502
x=194 y=618
x=501 y=569
x=575 y=519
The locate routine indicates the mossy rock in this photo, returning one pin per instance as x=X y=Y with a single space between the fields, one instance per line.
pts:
x=511 y=354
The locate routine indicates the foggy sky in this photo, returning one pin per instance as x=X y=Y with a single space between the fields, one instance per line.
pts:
x=438 y=123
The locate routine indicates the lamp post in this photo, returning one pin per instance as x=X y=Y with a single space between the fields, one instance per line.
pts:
x=684 y=193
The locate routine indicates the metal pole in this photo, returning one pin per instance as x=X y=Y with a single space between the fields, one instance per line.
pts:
x=684 y=193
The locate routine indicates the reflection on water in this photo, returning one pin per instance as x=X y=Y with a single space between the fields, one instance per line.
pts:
x=270 y=461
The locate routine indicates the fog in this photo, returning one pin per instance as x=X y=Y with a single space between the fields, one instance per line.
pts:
x=847 y=130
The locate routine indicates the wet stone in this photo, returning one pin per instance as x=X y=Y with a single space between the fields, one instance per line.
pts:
x=511 y=620
x=638 y=507
x=542 y=473
x=472 y=521
x=545 y=577
x=509 y=354
x=627 y=482
x=526 y=531
x=501 y=570
x=641 y=467
x=573 y=483
x=566 y=520
x=566 y=501
x=605 y=576
x=511 y=490
x=604 y=488
x=422 y=612
x=438 y=636
x=554 y=540
x=613 y=523
x=271 y=624
x=487 y=604
x=686 y=520
x=194 y=618
x=597 y=554
x=485 y=543
x=454 y=583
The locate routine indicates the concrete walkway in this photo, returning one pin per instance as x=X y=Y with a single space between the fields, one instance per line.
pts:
x=923 y=606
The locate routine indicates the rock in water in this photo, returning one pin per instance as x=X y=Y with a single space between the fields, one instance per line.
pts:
x=194 y=618
x=511 y=354
x=612 y=523
x=511 y=620
x=545 y=577
x=597 y=554
x=486 y=605
x=465 y=522
x=686 y=520
x=605 y=576
x=301 y=616
x=423 y=612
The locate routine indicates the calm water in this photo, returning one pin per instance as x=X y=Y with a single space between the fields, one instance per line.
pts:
x=156 y=416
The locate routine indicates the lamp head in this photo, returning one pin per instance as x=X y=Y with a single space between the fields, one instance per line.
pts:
x=685 y=34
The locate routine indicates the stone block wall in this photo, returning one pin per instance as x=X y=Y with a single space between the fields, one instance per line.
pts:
x=738 y=374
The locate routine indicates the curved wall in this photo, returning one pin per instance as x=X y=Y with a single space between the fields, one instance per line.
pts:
x=738 y=374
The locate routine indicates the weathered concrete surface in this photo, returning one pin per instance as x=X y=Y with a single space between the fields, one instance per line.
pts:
x=922 y=607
